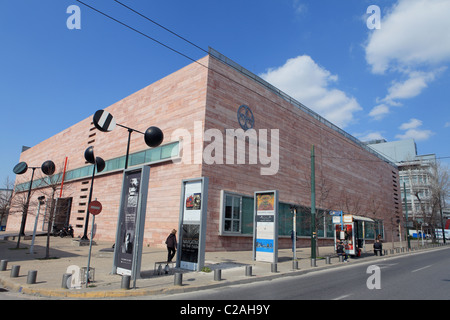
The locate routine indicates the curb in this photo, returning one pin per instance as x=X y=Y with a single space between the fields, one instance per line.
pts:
x=123 y=293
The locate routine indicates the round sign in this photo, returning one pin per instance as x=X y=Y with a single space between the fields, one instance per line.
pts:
x=20 y=168
x=104 y=121
x=153 y=137
x=48 y=167
x=95 y=207
x=245 y=117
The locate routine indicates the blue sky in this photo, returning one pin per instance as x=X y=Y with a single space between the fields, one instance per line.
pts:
x=390 y=83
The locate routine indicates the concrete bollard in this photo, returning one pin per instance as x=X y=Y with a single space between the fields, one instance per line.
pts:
x=125 y=283
x=217 y=275
x=328 y=260
x=3 y=265
x=248 y=271
x=313 y=262
x=15 y=271
x=273 y=267
x=65 y=277
x=341 y=258
x=31 y=278
x=294 y=265
x=178 y=279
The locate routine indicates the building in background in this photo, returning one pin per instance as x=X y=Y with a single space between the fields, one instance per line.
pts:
x=418 y=175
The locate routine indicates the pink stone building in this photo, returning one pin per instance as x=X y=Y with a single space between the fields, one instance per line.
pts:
x=197 y=109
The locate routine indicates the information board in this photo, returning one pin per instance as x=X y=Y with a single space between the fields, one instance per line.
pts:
x=265 y=232
x=192 y=224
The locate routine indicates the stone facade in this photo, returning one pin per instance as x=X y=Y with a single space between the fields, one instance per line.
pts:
x=201 y=97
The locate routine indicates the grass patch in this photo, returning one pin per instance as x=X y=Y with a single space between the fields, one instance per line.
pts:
x=206 y=269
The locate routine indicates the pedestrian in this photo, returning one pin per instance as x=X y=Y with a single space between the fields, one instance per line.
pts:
x=171 y=243
x=377 y=248
x=340 y=250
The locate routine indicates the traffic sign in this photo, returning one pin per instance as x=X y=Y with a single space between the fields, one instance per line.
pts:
x=104 y=121
x=95 y=207
x=335 y=213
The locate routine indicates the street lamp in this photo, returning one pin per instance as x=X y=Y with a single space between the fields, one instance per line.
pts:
x=105 y=122
x=48 y=168
x=99 y=164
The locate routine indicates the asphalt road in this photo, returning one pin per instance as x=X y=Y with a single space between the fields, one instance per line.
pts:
x=422 y=275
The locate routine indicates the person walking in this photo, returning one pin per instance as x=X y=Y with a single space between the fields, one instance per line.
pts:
x=171 y=243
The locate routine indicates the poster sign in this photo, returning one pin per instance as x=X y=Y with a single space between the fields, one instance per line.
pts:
x=265 y=233
x=131 y=220
x=192 y=225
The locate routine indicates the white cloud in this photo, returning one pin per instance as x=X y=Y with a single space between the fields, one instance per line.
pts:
x=414 y=32
x=379 y=112
x=414 y=43
x=368 y=136
x=412 y=124
x=310 y=84
x=447 y=124
x=410 y=88
x=299 y=7
x=412 y=130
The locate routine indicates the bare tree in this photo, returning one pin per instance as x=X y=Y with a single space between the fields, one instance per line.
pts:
x=5 y=198
x=51 y=187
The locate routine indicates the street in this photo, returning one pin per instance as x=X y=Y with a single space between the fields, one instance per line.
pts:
x=423 y=275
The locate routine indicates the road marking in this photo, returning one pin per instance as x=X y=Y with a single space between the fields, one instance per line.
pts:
x=342 y=297
x=422 y=268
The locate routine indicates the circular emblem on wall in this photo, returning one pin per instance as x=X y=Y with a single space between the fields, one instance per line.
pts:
x=245 y=117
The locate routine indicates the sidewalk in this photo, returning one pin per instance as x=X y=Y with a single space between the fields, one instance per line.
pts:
x=106 y=285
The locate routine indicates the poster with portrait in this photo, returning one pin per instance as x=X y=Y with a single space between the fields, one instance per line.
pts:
x=131 y=216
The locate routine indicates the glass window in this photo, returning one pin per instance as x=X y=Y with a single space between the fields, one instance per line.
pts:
x=232 y=216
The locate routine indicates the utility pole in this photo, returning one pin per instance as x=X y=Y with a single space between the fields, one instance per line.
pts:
x=313 y=205
x=406 y=215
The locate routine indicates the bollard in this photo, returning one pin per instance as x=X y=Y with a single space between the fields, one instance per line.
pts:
x=341 y=258
x=31 y=278
x=248 y=271
x=313 y=262
x=295 y=265
x=273 y=267
x=3 y=265
x=328 y=260
x=217 y=274
x=15 y=271
x=65 y=278
x=125 y=284
x=178 y=279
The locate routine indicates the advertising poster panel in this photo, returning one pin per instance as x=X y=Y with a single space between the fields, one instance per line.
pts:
x=192 y=226
x=265 y=235
x=131 y=220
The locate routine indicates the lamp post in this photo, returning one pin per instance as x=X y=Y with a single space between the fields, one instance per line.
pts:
x=99 y=164
x=105 y=122
x=48 y=168
x=313 y=206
